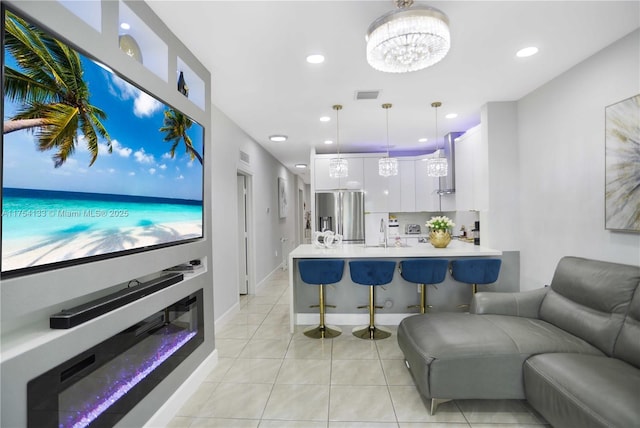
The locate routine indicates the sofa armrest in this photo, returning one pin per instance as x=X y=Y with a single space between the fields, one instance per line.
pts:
x=523 y=304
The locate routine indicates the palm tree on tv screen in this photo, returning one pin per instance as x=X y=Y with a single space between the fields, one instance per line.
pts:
x=51 y=89
x=176 y=126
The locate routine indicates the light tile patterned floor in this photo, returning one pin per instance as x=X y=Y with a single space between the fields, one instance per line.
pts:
x=269 y=378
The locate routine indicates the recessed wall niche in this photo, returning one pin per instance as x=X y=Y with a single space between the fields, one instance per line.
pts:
x=193 y=81
x=135 y=34
x=89 y=11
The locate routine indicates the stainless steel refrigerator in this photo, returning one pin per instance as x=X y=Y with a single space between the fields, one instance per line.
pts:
x=343 y=213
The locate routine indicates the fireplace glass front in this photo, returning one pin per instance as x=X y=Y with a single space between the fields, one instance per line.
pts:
x=99 y=386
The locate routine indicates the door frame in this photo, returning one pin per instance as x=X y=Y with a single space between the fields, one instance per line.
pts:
x=250 y=251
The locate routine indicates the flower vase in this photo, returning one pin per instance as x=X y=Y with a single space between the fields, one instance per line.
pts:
x=439 y=238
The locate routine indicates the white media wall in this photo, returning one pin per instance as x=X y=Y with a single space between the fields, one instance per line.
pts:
x=28 y=346
x=561 y=142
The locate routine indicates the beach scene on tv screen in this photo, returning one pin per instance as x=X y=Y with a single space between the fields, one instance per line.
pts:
x=92 y=165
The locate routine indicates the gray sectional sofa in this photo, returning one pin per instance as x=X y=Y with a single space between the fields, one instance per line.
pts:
x=572 y=349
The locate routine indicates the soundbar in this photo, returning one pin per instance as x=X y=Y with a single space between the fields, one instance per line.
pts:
x=68 y=318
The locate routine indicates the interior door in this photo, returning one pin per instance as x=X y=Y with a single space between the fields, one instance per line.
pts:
x=243 y=241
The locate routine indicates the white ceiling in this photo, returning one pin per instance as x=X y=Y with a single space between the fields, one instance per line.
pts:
x=256 y=50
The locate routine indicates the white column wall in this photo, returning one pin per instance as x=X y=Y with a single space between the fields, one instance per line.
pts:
x=500 y=222
x=561 y=141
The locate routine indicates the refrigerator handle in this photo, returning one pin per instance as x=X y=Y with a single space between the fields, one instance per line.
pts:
x=340 y=222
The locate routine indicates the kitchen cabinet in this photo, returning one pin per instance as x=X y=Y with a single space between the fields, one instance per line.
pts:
x=354 y=181
x=426 y=188
x=390 y=194
x=407 y=173
x=469 y=171
x=376 y=187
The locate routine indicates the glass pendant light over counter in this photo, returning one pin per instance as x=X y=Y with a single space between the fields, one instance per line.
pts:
x=387 y=166
x=437 y=166
x=338 y=167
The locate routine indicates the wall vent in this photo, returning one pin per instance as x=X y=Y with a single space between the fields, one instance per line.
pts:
x=367 y=95
x=244 y=157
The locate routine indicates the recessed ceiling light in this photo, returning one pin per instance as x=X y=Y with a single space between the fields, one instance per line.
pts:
x=278 y=138
x=423 y=140
x=325 y=119
x=525 y=52
x=315 y=59
x=327 y=142
x=451 y=115
x=301 y=165
x=125 y=26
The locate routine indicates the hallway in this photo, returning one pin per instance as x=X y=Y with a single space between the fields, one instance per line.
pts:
x=268 y=378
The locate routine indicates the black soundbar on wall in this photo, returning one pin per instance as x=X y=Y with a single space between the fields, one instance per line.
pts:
x=68 y=318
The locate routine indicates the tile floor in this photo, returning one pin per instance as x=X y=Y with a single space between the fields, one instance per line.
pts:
x=268 y=378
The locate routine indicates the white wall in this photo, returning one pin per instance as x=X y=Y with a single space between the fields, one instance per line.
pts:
x=561 y=142
x=500 y=218
x=268 y=227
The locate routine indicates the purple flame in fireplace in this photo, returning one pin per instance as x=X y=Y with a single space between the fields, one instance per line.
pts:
x=127 y=380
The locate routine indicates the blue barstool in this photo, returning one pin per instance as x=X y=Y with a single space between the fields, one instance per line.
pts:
x=371 y=273
x=423 y=272
x=476 y=271
x=321 y=272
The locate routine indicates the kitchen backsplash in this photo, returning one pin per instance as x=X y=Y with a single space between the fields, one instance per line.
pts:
x=466 y=218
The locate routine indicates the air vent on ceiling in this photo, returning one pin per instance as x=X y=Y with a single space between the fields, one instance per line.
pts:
x=244 y=157
x=367 y=95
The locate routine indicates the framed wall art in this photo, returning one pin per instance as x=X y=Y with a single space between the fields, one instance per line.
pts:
x=622 y=165
x=282 y=197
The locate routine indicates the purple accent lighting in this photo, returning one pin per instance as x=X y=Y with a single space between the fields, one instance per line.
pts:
x=129 y=378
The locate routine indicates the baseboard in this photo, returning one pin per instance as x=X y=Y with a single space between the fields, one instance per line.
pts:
x=267 y=278
x=224 y=318
x=351 y=319
x=170 y=408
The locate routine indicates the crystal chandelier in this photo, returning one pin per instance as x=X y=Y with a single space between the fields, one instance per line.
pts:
x=387 y=166
x=338 y=167
x=437 y=167
x=408 y=39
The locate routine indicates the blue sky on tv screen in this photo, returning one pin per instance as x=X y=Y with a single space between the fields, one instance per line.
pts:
x=140 y=163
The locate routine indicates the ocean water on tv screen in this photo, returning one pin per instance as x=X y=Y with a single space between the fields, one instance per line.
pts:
x=125 y=175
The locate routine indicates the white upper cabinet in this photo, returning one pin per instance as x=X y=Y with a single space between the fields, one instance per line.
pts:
x=468 y=170
x=426 y=190
x=407 y=173
x=354 y=181
x=377 y=188
x=390 y=194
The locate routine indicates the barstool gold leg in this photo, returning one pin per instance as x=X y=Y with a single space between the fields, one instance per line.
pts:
x=423 y=298
x=371 y=331
x=322 y=331
x=474 y=290
x=424 y=307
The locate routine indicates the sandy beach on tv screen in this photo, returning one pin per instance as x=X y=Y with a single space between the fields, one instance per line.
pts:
x=38 y=250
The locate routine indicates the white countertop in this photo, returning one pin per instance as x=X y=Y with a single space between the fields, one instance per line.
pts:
x=454 y=249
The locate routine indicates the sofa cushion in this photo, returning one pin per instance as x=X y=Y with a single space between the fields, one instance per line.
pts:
x=453 y=355
x=573 y=390
x=590 y=298
x=628 y=342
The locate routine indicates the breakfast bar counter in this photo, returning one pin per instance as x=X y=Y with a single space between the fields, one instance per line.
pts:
x=395 y=297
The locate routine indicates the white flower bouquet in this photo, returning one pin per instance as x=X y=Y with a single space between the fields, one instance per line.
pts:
x=440 y=223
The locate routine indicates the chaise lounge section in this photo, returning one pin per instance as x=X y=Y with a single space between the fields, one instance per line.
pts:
x=571 y=349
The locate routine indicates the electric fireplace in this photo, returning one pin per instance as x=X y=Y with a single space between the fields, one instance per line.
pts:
x=99 y=386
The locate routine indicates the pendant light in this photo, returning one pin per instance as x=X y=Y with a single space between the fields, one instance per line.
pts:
x=387 y=166
x=437 y=166
x=338 y=167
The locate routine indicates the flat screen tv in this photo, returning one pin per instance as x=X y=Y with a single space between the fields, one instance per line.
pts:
x=93 y=167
